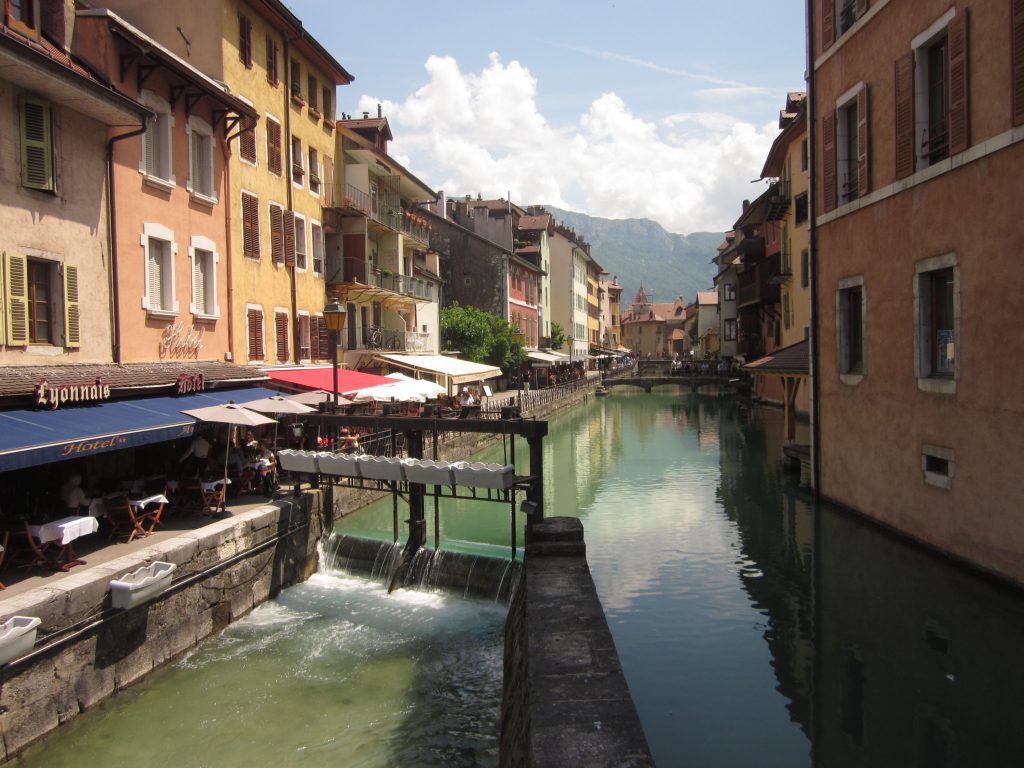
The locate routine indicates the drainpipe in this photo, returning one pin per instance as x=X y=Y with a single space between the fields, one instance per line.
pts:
x=228 y=254
x=115 y=297
x=812 y=207
x=288 y=187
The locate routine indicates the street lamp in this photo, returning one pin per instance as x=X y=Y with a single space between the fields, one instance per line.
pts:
x=334 y=316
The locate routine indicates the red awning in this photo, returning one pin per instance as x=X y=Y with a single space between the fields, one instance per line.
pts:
x=323 y=378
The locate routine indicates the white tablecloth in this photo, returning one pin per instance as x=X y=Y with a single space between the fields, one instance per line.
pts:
x=65 y=530
x=141 y=503
x=212 y=485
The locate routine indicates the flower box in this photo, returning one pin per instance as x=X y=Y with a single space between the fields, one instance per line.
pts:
x=477 y=475
x=17 y=636
x=344 y=464
x=297 y=461
x=142 y=585
x=380 y=468
x=428 y=472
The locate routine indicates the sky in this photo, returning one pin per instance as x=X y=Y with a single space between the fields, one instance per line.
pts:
x=659 y=109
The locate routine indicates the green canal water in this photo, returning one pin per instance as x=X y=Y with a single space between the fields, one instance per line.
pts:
x=753 y=629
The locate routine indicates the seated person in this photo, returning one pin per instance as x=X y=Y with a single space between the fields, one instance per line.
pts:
x=349 y=441
x=467 y=397
x=267 y=467
x=74 y=496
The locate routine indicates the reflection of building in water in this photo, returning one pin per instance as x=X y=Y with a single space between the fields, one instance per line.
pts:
x=919 y=660
x=775 y=562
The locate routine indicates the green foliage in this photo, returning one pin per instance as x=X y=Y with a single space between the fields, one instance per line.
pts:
x=480 y=337
x=557 y=336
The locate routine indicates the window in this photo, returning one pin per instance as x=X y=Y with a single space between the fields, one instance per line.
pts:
x=316 y=234
x=931 y=95
x=937 y=331
x=314 y=172
x=786 y=317
x=296 y=80
x=313 y=92
x=837 y=16
x=297 y=170
x=247 y=140
x=40 y=302
x=300 y=242
x=156 y=141
x=33 y=291
x=250 y=226
x=803 y=155
x=730 y=330
x=273 y=145
x=729 y=292
x=254 y=323
x=159 y=250
x=938 y=464
x=23 y=15
x=845 y=149
x=320 y=338
x=203 y=253
x=281 y=333
x=327 y=104
x=201 y=159
x=245 y=40
x=276 y=234
x=305 y=352
x=36 y=145
x=800 y=208
x=272 y=76
x=805 y=259
x=850 y=327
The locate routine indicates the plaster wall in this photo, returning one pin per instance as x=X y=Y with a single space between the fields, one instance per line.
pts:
x=69 y=227
x=561 y=283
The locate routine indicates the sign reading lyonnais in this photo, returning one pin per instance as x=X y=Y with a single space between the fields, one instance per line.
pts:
x=54 y=397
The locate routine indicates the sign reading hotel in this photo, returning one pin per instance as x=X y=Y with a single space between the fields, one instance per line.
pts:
x=190 y=382
x=48 y=396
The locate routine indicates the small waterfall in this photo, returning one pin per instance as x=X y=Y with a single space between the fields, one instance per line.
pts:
x=476 y=576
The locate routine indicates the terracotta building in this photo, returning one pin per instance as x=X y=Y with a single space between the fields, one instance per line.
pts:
x=918 y=131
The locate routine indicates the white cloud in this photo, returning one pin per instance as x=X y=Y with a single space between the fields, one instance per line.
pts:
x=470 y=133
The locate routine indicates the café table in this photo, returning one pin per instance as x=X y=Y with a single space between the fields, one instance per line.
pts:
x=63 y=533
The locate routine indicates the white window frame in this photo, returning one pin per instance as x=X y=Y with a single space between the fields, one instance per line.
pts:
x=204 y=247
x=920 y=46
x=311 y=172
x=848 y=101
x=302 y=313
x=198 y=127
x=847 y=376
x=301 y=255
x=927 y=379
x=155 y=231
x=292 y=156
x=163 y=111
x=314 y=227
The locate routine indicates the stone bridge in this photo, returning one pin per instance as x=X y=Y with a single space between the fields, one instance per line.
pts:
x=694 y=381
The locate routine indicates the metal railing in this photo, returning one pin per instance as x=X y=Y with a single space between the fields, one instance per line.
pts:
x=411 y=286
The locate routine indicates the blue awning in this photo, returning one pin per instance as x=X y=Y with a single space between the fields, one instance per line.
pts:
x=32 y=437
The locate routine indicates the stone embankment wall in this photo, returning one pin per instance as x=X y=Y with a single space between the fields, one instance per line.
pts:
x=87 y=650
x=566 y=701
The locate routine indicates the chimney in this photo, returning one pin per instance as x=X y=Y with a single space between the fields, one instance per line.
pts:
x=441 y=209
x=57 y=20
x=366 y=115
x=746 y=204
x=379 y=113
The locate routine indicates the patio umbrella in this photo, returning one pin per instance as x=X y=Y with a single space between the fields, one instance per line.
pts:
x=233 y=415
x=315 y=397
x=277 y=404
x=406 y=389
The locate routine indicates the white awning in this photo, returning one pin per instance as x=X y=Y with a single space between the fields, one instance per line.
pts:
x=543 y=359
x=455 y=370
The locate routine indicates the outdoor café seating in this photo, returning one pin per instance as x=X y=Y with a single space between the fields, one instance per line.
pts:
x=130 y=518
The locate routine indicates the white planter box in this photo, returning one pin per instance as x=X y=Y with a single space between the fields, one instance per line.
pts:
x=428 y=472
x=17 y=636
x=298 y=461
x=142 y=585
x=344 y=464
x=477 y=475
x=380 y=468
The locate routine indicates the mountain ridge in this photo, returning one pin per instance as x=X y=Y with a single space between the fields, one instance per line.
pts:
x=642 y=252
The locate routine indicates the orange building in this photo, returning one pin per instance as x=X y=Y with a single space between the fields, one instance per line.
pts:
x=917 y=119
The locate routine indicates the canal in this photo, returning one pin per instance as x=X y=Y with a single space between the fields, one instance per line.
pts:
x=753 y=629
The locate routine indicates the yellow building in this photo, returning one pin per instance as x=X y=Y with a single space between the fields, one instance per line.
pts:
x=279 y=174
x=594 y=292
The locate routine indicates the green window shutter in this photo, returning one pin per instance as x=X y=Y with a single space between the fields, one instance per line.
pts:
x=36 y=145
x=17 y=300
x=72 y=320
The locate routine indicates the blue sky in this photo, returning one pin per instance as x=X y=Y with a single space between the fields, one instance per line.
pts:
x=650 y=108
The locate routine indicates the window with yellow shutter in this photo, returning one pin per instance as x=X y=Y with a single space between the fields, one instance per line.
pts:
x=36 y=145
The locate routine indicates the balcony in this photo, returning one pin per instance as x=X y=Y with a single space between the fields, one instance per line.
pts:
x=354 y=201
x=758 y=282
x=785 y=268
x=415 y=227
x=409 y=286
x=778 y=200
x=390 y=340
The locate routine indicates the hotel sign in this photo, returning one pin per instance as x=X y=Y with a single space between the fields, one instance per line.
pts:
x=48 y=396
x=190 y=382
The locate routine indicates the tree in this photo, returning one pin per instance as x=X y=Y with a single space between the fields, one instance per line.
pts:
x=557 y=336
x=481 y=337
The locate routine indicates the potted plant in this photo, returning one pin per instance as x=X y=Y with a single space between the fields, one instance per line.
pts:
x=141 y=585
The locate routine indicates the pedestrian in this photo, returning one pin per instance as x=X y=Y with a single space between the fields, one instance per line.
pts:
x=197 y=455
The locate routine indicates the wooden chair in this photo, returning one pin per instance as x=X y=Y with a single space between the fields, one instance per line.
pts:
x=213 y=499
x=25 y=550
x=123 y=519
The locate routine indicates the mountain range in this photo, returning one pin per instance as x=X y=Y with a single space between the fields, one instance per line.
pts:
x=641 y=252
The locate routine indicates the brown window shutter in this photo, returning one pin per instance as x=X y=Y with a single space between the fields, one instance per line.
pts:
x=904 y=90
x=323 y=336
x=255 y=334
x=250 y=226
x=828 y=160
x=1017 y=55
x=247 y=140
x=272 y=61
x=281 y=326
x=245 y=40
x=276 y=234
x=329 y=178
x=274 y=147
x=289 y=238
x=959 y=119
x=863 y=123
x=828 y=23
x=862 y=8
